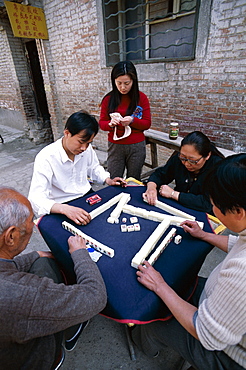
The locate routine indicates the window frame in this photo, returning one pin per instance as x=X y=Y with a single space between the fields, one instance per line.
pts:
x=121 y=40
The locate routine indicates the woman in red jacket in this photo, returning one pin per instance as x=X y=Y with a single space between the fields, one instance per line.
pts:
x=125 y=113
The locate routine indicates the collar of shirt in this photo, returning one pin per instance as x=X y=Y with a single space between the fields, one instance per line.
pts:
x=64 y=156
x=6 y=260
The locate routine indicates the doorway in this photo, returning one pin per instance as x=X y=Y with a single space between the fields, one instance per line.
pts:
x=43 y=115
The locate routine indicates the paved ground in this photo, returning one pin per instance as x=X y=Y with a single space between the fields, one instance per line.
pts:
x=103 y=345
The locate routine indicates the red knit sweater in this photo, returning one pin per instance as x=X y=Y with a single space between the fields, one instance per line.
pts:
x=138 y=125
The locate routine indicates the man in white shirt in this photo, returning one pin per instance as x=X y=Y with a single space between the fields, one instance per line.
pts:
x=61 y=170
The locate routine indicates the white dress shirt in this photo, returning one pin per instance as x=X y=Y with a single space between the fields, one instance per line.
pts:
x=58 y=179
x=221 y=319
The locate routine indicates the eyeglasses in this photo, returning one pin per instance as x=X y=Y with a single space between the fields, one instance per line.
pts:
x=191 y=161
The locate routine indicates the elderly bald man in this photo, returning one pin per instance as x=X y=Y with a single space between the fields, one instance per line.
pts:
x=36 y=310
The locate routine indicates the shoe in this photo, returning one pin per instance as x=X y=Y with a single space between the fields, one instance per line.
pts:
x=70 y=344
x=60 y=359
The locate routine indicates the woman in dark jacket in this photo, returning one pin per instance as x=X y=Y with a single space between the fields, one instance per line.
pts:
x=188 y=169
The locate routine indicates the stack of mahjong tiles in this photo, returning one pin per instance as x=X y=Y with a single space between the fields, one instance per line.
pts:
x=134 y=226
x=165 y=221
x=91 y=241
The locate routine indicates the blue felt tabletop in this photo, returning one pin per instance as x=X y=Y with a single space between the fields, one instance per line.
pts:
x=128 y=300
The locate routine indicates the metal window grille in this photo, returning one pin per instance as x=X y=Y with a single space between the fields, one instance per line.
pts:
x=150 y=30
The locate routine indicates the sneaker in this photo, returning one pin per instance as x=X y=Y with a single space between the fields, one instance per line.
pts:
x=70 y=344
x=60 y=359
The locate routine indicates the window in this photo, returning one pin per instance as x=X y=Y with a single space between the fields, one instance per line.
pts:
x=145 y=30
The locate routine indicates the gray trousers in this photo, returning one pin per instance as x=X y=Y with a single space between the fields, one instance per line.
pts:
x=130 y=156
x=153 y=337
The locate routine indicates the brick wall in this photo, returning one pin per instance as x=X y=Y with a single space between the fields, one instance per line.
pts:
x=206 y=94
x=10 y=99
x=74 y=57
x=17 y=103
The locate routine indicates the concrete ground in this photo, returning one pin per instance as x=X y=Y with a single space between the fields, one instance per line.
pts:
x=103 y=345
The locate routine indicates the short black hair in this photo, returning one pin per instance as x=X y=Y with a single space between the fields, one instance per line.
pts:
x=82 y=120
x=226 y=183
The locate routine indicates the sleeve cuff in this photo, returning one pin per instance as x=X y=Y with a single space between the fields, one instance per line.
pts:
x=231 y=241
x=194 y=318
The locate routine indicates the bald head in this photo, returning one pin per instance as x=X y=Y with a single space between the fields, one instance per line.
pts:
x=14 y=208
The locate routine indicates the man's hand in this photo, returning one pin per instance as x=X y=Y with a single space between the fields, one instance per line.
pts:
x=116 y=181
x=219 y=241
x=75 y=243
x=149 y=277
x=181 y=310
x=45 y=254
x=193 y=229
x=78 y=215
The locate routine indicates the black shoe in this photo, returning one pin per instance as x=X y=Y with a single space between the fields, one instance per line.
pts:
x=70 y=344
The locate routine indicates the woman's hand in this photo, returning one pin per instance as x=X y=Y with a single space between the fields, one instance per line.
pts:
x=114 y=121
x=149 y=277
x=126 y=121
x=167 y=192
x=151 y=193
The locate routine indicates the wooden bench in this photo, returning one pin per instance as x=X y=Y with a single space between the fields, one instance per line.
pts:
x=154 y=138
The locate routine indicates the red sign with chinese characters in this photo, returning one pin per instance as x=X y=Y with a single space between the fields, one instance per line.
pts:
x=27 y=21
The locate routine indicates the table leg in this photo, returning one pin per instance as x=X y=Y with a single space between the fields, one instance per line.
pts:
x=130 y=343
x=154 y=157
